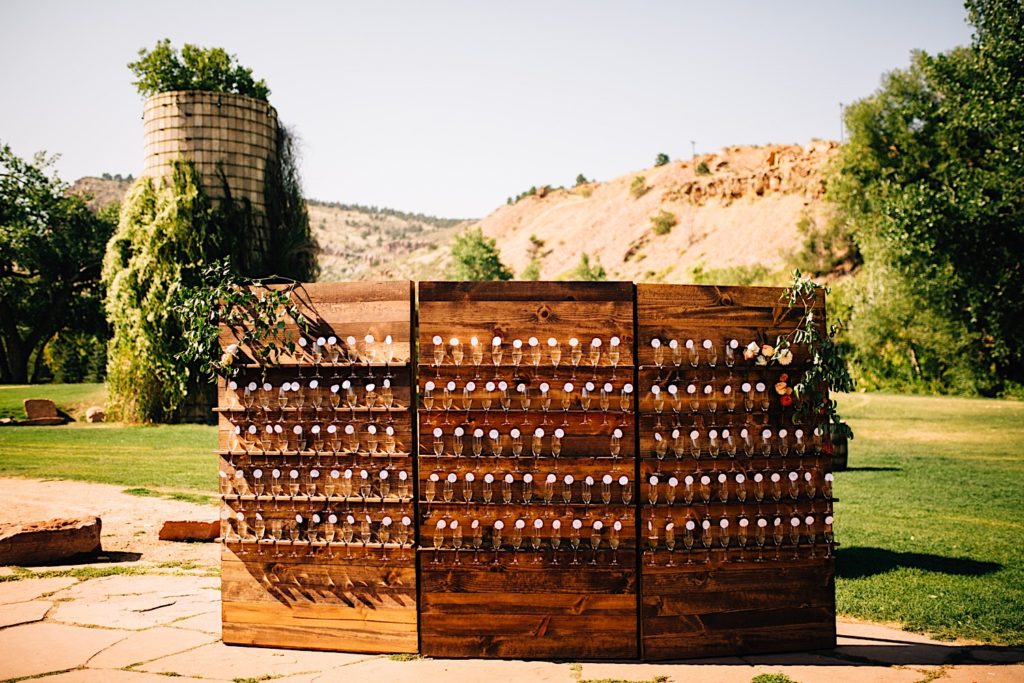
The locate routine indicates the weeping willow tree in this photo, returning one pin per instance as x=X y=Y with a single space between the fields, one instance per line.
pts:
x=169 y=231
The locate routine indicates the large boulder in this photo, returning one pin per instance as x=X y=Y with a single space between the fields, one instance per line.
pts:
x=41 y=412
x=47 y=542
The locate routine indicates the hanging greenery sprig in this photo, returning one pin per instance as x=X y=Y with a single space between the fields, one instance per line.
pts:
x=828 y=370
x=256 y=313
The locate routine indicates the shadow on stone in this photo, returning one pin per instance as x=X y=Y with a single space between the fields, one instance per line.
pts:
x=859 y=562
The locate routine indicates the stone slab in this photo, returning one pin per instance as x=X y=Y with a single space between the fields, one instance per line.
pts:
x=465 y=670
x=190 y=530
x=844 y=672
x=983 y=673
x=48 y=541
x=42 y=422
x=36 y=408
x=115 y=676
x=148 y=645
x=208 y=622
x=229 y=662
x=30 y=589
x=16 y=613
x=45 y=647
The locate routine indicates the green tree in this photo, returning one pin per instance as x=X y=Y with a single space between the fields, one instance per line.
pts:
x=475 y=257
x=587 y=271
x=638 y=188
x=929 y=184
x=164 y=69
x=51 y=248
x=661 y=159
x=581 y=180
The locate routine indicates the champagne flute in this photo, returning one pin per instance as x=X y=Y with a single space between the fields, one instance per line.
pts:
x=812 y=536
x=730 y=398
x=476 y=356
x=776 y=478
x=660 y=447
x=536 y=444
x=626 y=488
x=448 y=487
x=652 y=490
x=549 y=491
x=783 y=442
x=505 y=399
x=457 y=355
x=762 y=392
x=694 y=355
x=467 y=397
x=615 y=448
x=705 y=488
x=676 y=351
x=536 y=540
x=595 y=539
x=713 y=444
x=711 y=352
x=748 y=396
x=606 y=489
x=567 y=390
x=830 y=538
x=574 y=540
x=706 y=538
x=826 y=486
x=758 y=487
x=348 y=535
x=486 y=400
x=723 y=487
x=605 y=400
x=496 y=538
x=467 y=487
x=487 y=492
x=741 y=535
x=670 y=495
x=524 y=399
x=567 y=482
x=456 y=539
x=535 y=354
x=595 y=354
x=794 y=536
x=430 y=490
x=438 y=355
x=478 y=539
x=675 y=401
x=575 y=355
x=670 y=543
x=545 y=401
x=555 y=352
x=659 y=353
x=586 y=493
x=496 y=354
x=555 y=540
x=778 y=534
x=556 y=445
x=384 y=485
x=527 y=488
x=438 y=540
x=614 y=540
x=760 y=536
x=741 y=489
x=517 y=447
x=517 y=539
x=478 y=444
x=626 y=399
x=730 y=353
x=659 y=404
x=438 y=445
x=614 y=354
x=506 y=492
x=688 y=539
x=724 y=537
x=688 y=482
x=586 y=396
x=517 y=356
x=691 y=390
x=710 y=398
x=766 y=443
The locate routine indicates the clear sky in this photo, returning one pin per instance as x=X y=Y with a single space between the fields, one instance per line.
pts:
x=450 y=107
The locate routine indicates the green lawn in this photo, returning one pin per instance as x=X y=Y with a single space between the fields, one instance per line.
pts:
x=74 y=399
x=930 y=517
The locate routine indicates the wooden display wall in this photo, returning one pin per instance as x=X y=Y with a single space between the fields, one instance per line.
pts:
x=736 y=516
x=318 y=557
x=575 y=489
x=553 y=576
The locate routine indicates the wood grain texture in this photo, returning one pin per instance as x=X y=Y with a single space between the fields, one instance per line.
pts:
x=703 y=603
x=310 y=595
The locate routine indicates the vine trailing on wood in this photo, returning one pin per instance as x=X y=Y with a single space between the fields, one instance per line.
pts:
x=828 y=370
x=257 y=314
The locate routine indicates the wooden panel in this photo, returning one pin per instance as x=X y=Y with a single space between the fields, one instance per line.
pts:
x=310 y=594
x=713 y=601
x=526 y=598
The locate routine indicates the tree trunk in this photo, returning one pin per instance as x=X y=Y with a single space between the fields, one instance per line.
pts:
x=17 y=361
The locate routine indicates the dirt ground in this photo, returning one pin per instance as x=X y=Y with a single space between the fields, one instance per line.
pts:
x=131 y=524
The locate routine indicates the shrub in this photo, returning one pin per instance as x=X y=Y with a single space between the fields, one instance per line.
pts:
x=581 y=180
x=663 y=222
x=476 y=257
x=638 y=188
x=587 y=271
x=195 y=68
x=702 y=168
x=661 y=159
x=532 y=271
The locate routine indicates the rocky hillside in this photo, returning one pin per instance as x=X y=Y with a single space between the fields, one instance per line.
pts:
x=738 y=208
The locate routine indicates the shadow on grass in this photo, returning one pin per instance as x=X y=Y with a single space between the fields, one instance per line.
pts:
x=857 y=563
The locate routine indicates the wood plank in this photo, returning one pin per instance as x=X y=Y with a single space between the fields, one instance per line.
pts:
x=524 y=291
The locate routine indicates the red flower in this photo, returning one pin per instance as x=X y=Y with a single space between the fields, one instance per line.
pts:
x=784 y=377
x=786 y=400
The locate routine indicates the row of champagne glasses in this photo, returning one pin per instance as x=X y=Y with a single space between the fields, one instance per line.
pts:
x=673 y=352
x=301 y=532
x=347 y=351
x=529 y=489
x=773 y=485
x=741 y=532
x=533 y=351
x=495 y=442
x=522 y=397
x=315 y=439
x=313 y=396
x=706 y=398
x=537 y=536
x=308 y=482
x=746 y=440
